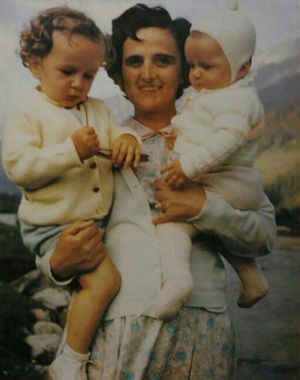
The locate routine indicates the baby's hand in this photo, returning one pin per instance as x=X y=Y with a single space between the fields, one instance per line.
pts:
x=86 y=142
x=174 y=175
x=126 y=150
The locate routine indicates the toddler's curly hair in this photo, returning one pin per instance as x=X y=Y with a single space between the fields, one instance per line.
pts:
x=36 y=40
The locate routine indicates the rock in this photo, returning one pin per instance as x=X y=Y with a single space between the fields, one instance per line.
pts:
x=53 y=298
x=62 y=319
x=43 y=344
x=22 y=283
x=32 y=282
x=41 y=315
x=45 y=327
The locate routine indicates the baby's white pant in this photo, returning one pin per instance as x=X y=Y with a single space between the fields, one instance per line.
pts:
x=240 y=186
x=177 y=281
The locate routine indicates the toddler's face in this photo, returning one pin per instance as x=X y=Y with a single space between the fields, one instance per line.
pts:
x=209 y=68
x=67 y=72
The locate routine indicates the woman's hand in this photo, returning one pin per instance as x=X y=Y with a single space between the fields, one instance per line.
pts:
x=178 y=205
x=79 y=250
x=126 y=151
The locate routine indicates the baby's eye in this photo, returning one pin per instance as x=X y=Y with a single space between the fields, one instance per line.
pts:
x=163 y=60
x=206 y=66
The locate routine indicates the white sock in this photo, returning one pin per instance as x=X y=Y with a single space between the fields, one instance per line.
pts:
x=73 y=355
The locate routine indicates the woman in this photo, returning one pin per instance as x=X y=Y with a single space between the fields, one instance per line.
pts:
x=198 y=342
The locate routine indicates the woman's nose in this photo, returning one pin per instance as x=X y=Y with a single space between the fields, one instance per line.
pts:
x=147 y=71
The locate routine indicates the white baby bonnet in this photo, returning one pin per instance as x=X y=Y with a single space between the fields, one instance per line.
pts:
x=234 y=32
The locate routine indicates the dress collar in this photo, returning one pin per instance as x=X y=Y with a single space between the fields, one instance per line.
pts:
x=141 y=129
x=146 y=133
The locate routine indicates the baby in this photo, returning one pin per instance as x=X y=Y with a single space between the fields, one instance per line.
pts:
x=216 y=145
x=51 y=150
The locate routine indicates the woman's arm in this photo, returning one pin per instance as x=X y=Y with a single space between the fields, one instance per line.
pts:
x=244 y=233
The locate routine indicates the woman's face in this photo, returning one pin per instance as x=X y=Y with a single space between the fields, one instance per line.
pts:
x=151 y=71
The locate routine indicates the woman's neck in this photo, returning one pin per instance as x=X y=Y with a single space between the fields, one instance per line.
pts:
x=155 y=120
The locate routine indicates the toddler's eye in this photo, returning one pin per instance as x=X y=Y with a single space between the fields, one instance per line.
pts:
x=67 y=72
x=89 y=76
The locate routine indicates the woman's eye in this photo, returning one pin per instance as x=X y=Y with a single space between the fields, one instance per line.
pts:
x=134 y=61
x=164 y=60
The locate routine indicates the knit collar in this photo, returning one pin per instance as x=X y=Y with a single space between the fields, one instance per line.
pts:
x=46 y=97
x=245 y=82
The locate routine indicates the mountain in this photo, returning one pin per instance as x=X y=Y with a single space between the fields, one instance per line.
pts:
x=278 y=85
x=277 y=53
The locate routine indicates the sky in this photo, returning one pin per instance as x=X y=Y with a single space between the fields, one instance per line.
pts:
x=276 y=22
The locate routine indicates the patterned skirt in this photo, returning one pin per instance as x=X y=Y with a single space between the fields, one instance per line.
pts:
x=194 y=345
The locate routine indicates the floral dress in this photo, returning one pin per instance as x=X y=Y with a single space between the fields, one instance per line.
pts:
x=196 y=344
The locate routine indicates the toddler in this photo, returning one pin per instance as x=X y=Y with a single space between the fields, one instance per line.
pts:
x=50 y=150
x=216 y=146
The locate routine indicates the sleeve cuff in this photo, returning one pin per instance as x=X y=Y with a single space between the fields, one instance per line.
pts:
x=43 y=264
x=71 y=154
x=213 y=214
x=186 y=167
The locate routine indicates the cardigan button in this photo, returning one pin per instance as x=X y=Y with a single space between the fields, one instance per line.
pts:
x=96 y=189
x=93 y=165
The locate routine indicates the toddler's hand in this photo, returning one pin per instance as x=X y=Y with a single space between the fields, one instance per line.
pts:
x=126 y=151
x=86 y=142
x=174 y=175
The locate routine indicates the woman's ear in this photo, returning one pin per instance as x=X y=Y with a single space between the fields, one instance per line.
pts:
x=34 y=64
x=244 y=70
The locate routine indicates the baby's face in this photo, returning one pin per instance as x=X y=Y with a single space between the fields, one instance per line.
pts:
x=209 y=68
x=67 y=72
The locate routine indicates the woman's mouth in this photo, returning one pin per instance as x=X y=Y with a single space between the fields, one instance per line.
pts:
x=149 y=88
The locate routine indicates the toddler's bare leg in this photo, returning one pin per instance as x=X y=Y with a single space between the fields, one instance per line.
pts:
x=175 y=247
x=254 y=284
x=99 y=287
x=88 y=306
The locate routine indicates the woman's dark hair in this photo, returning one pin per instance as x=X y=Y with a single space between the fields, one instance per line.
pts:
x=36 y=40
x=141 y=16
